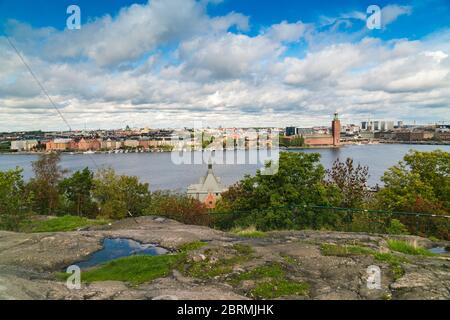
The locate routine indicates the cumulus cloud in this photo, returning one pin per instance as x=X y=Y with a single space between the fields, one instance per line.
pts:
x=168 y=63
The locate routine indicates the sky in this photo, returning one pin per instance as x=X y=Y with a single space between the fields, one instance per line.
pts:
x=229 y=63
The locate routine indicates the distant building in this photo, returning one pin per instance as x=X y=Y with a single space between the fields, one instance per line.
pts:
x=208 y=190
x=377 y=125
x=131 y=143
x=332 y=139
x=413 y=135
x=59 y=145
x=291 y=131
x=24 y=145
x=89 y=144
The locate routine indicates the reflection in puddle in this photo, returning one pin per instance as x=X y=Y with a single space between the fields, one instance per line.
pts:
x=118 y=248
x=438 y=250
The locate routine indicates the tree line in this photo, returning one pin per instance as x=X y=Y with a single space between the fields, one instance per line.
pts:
x=296 y=197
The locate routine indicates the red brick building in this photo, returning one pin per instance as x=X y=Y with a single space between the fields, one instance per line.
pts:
x=317 y=140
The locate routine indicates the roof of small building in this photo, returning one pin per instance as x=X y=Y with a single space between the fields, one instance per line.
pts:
x=207 y=183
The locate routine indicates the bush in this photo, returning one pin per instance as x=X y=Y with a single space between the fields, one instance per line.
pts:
x=179 y=207
x=15 y=201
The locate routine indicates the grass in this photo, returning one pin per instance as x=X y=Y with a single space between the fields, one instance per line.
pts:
x=250 y=232
x=394 y=262
x=344 y=251
x=207 y=269
x=192 y=246
x=243 y=249
x=137 y=269
x=266 y=271
x=134 y=269
x=406 y=248
x=271 y=282
x=64 y=223
x=279 y=288
x=288 y=259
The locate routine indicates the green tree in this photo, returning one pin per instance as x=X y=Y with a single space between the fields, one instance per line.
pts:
x=351 y=181
x=78 y=191
x=15 y=201
x=119 y=196
x=419 y=183
x=45 y=184
x=268 y=199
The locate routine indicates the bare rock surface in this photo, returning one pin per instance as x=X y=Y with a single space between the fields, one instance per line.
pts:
x=29 y=262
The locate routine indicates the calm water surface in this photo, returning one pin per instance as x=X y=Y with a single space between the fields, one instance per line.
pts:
x=119 y=248
x=160 y=172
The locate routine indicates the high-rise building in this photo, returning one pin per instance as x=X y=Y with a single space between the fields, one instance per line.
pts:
x=290 y=131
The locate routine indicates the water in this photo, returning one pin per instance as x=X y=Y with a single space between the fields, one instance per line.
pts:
x=118 y=248
x=438 y=250
x=161 y=173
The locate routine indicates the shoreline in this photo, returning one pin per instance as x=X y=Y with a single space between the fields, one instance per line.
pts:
x=342 y=145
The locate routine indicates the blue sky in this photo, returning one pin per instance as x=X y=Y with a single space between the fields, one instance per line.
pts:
x=167 y=62
x=428 y=16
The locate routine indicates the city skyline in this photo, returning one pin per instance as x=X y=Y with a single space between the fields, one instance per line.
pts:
x=166 y=64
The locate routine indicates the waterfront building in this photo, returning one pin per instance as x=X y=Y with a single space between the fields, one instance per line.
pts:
x=131 y=143
x=88 y=144
x=208 y=190
x=324 y=139
x=59 y=145
x=24 y=145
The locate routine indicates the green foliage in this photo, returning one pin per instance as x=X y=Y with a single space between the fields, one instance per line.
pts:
x=243 y=249
x=15 y=201
x=279 y=288
x=297 y=141
x=274 y=270
x=271 y=282
x=328 y=249
x=192 y=246
x=419 y=183
x=5 y=146
x=134 y=269
x=393 y=261
x=396 y=227
x=406 y=248
x=119 y=196
x=351 y=182
x=45 y=184
x=214 y=266
x=179 y=207
x=77 y=189
x=64 y=223
x=258 y=200
x=250 y=232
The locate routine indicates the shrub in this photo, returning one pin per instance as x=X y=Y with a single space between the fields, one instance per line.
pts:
x=178 y=207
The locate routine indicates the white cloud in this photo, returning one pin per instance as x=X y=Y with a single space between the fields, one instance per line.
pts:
x=391 y=12
x=122 y=72
x=287 y=32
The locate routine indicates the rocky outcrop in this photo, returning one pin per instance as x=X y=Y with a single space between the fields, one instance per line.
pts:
x=28 y=263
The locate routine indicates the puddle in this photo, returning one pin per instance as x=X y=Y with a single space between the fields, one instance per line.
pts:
x=438 y=250
x=118 y=248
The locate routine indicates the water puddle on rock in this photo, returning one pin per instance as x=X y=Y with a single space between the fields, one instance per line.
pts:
x=119 y=248
x=439 y=250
